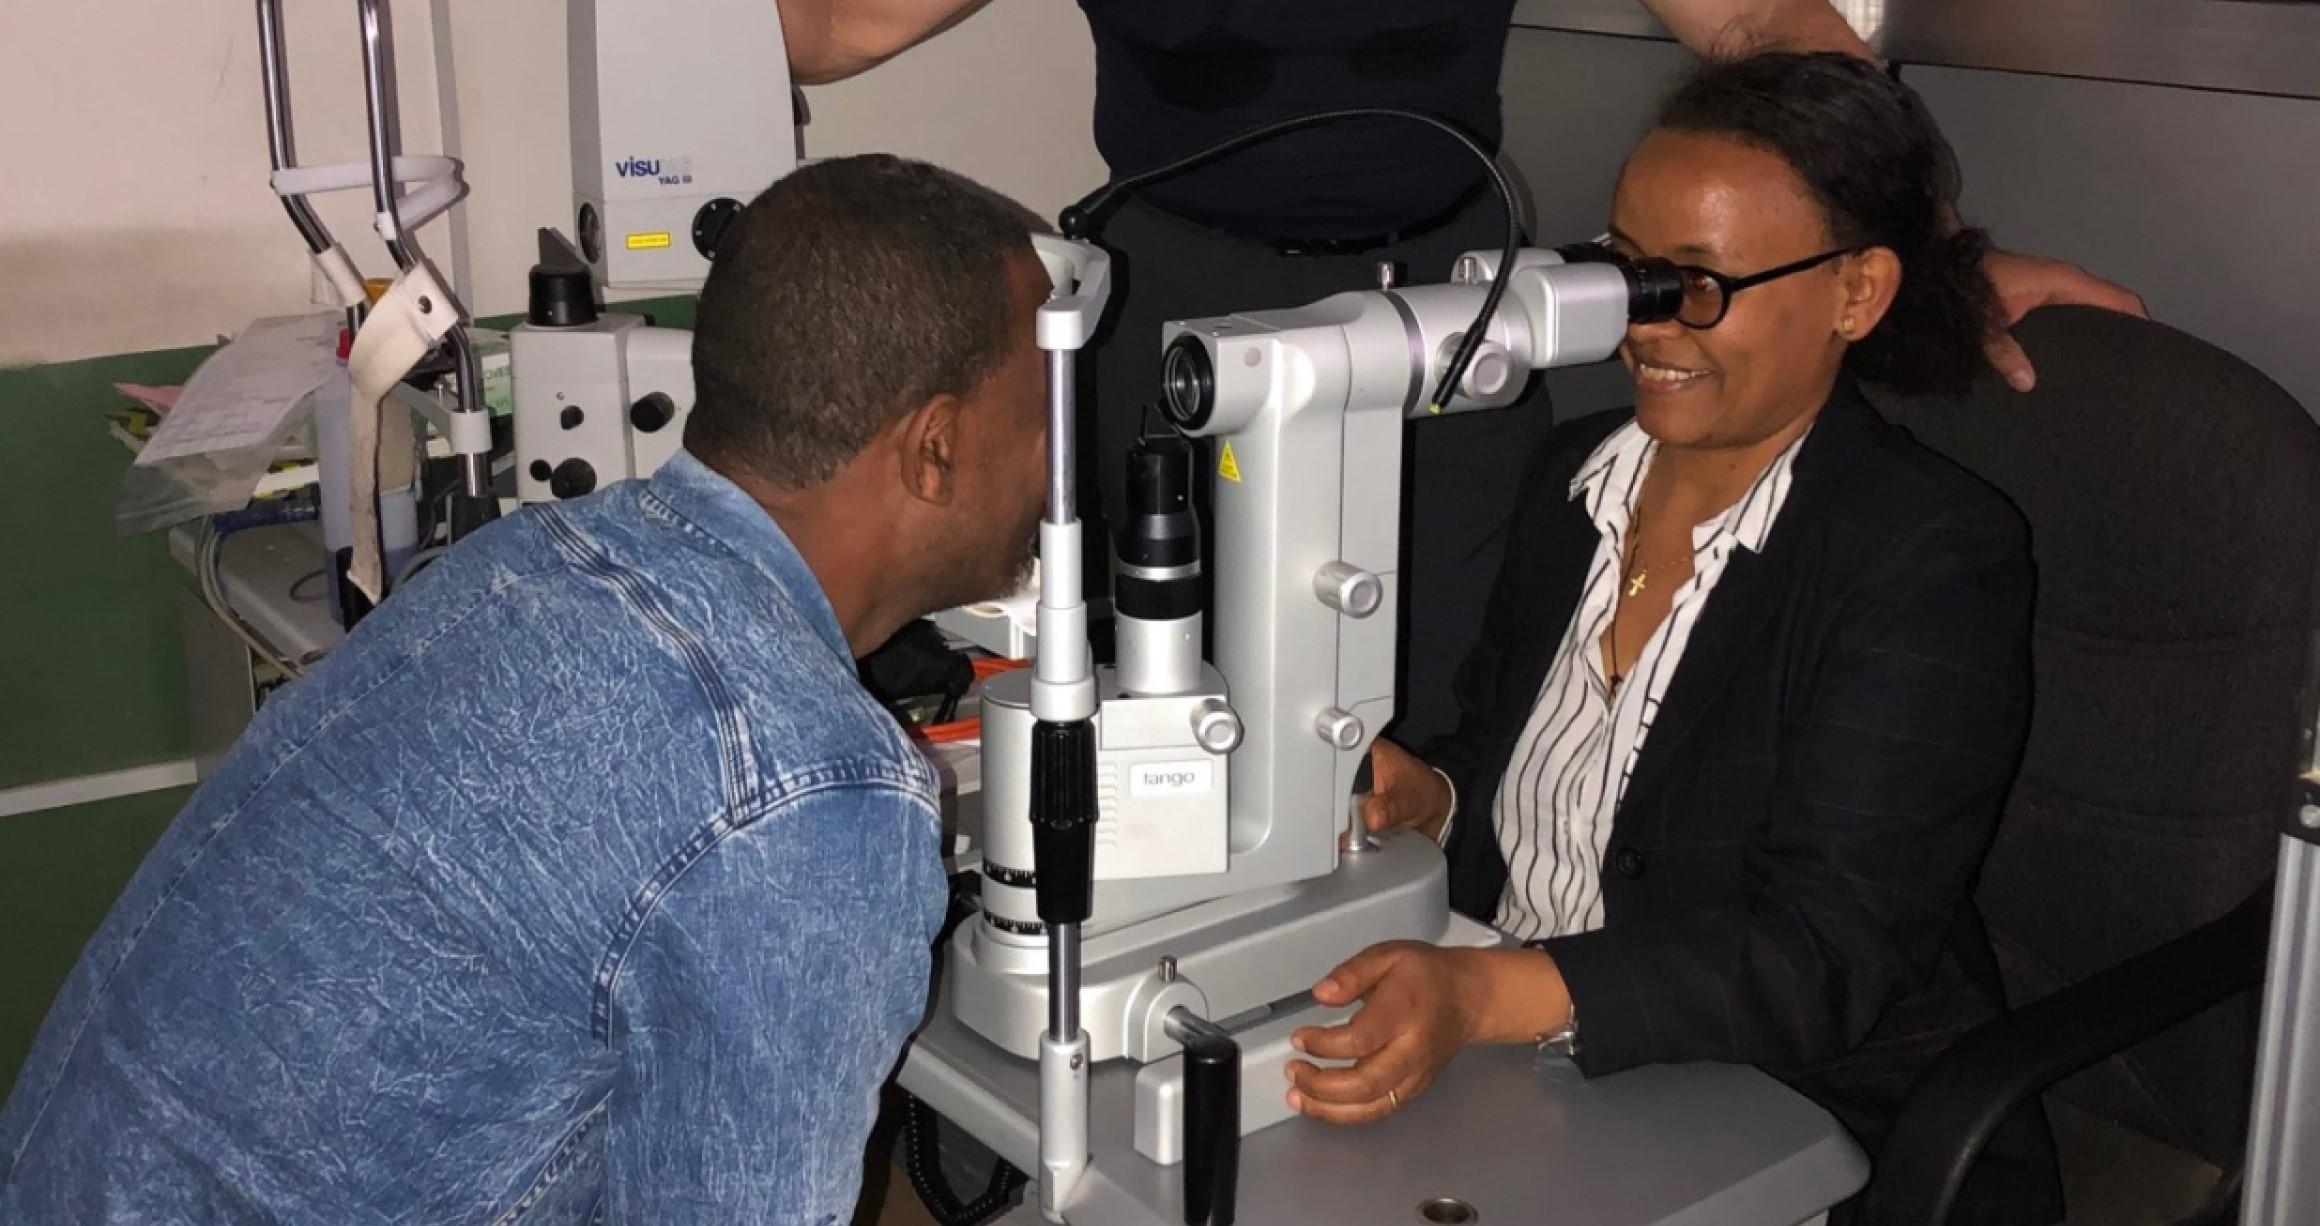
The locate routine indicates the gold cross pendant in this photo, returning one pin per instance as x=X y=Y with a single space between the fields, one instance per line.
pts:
x=1635 y=585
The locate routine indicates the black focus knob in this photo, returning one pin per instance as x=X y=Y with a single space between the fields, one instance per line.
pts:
x=571 y=417
x=1063 y=818
x=571 y=479
x=653 y=412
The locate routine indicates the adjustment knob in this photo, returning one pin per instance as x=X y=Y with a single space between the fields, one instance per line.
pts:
x=560 y=297
x=571 y=479
x=1490 y=371
x=1349 y=589
x=653 y=412
x=1216 y=727
x=711 y=223
x=1342 y=729
x=1487 y=375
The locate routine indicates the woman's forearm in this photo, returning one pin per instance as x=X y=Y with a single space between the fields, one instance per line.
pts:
x=830 y=40
x=1518 y=995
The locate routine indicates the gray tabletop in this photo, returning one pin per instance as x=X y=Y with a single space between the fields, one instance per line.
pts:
x=1517 y=1137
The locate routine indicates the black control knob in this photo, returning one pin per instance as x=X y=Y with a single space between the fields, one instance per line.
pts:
x=590 y=225
x=571 y=417
x=572 y=478
x=561 y=297
x=710 y=224
x=652 y=413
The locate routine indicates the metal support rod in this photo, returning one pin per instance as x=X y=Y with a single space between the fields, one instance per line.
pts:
x=1063 y=751
x=1062 y=458
x=1063 y=980
x=474 y=472
x=375 y=87
x=1355 y=841
x=281 y=144
x=281 y=148
x=475 y=475
x=2282 y=1165
x=2283 y=1148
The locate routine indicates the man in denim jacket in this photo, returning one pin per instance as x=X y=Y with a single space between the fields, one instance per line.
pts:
x=584 y=881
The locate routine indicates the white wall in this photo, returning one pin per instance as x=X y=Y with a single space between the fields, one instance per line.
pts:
x=134 y=212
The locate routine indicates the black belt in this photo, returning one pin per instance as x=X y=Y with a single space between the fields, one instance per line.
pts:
x=1342 y=246
x=1364 y=244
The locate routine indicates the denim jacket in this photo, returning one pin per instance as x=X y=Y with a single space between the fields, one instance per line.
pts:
x=582 y=883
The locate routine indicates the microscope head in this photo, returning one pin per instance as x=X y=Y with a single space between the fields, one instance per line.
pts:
x=1388 y=347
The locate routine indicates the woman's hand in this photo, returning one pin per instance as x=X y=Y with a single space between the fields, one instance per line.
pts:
x=2026 y=282
x=1404 y=792
x=1422 y=1004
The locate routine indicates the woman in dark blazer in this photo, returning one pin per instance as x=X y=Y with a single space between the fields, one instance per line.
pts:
x=1754 y=679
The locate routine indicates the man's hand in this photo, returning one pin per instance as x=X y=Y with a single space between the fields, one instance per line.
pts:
x=1421 y=1006
x=1711 y=28
x=1404 y=792
x=2026 y=282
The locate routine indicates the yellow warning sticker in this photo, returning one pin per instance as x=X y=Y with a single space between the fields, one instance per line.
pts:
x=1226 y=466
x=646 y=242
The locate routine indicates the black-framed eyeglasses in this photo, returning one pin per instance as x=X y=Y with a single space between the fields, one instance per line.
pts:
x=1707 y=294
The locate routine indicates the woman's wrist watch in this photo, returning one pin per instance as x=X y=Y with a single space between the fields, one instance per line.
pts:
x=1564 y=1039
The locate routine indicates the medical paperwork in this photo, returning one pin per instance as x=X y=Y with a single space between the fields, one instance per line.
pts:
x=245 y=392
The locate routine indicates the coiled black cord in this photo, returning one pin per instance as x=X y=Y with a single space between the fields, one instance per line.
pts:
x=921 y=1147
x=922 y=1143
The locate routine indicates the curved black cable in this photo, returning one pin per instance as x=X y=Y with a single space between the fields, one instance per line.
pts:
x=1081 y=220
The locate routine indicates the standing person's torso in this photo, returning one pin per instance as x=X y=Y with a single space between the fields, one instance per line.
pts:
x=378 y=969
x=1173 y=76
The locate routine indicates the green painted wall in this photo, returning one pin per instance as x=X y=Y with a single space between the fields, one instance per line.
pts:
x=59 y=872
x=92 y=668
x=91 y=675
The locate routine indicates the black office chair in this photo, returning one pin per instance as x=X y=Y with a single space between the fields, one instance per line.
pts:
x=2173 y=494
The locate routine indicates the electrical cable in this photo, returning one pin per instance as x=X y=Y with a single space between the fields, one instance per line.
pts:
x=1084 y=219
x=208 y=544
x=414 y=564
x=947 y=731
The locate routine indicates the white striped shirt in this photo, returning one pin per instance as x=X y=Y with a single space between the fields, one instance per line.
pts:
x=1555 y=804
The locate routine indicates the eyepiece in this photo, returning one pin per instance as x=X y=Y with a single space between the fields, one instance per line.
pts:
x=1655 y=291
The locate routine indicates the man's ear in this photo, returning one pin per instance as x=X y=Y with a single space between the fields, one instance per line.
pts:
x=926 y=448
